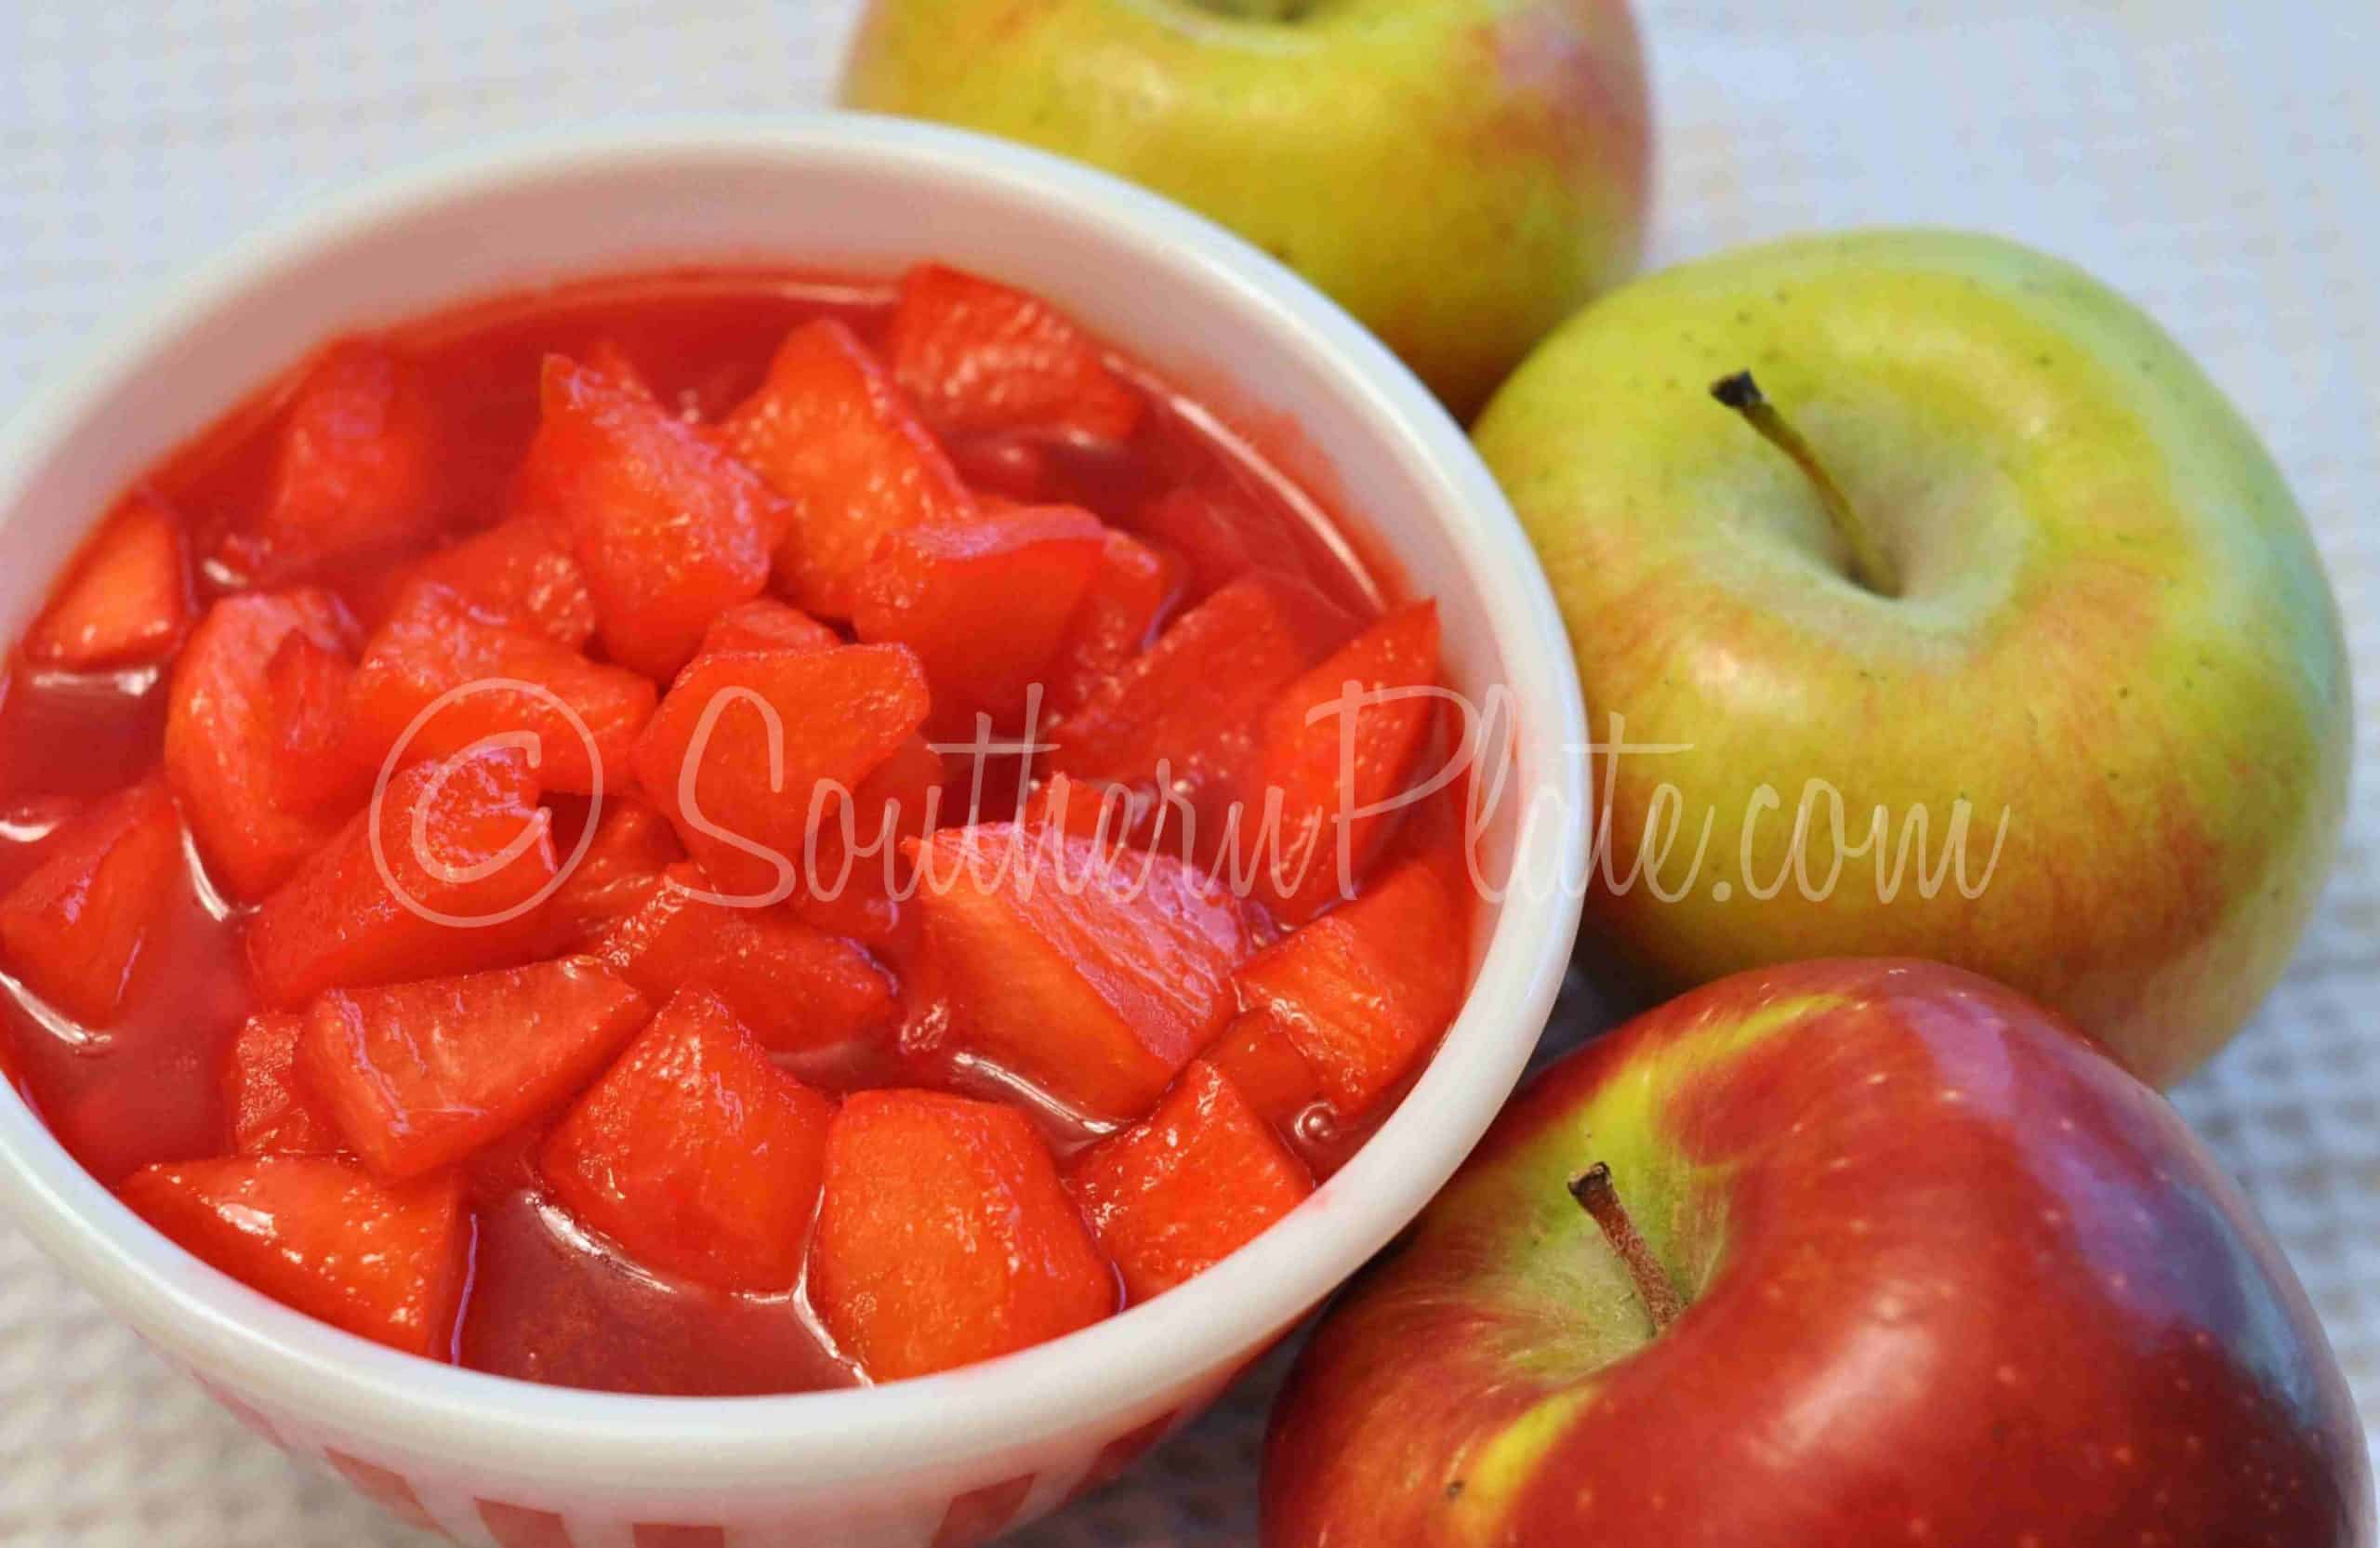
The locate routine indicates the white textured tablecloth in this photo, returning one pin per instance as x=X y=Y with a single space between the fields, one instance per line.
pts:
x=2219 y=162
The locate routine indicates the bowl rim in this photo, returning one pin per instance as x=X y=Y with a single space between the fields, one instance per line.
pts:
x=790 y=1440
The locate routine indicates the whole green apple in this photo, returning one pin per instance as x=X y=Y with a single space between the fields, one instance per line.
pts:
x=1995 y=605
x=1949 y=1277
x=1459 y=174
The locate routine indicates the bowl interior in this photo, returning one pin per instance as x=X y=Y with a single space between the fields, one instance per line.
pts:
x=864 y=196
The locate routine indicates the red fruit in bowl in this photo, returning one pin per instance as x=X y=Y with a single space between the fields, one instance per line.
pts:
x=414 y=1076
x=1127 y=598
x=1186 y=1186
x=1364 y=992
x=436 y=643
x=766 y=624
x=357 y=466
x=945 y=1236
x=386 y=1262
x=521 y=571
x=125 y=600
x=445 y=873
x=631 y=846
x=1095 y=974
x=1188 y=702
x=830 y=432
x=73 y=928
x=793 y=985
x=751 y=735
x=976 y=356
x=1334 y=759
x=226 y=753
x=984 y=604
x=695 y=1153
x=273 y=1112
x=667 y=528
x=1947 y=1273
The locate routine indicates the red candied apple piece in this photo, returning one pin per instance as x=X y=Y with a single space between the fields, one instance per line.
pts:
x=985 y=604
x=73 y=929
x=766 y=624
x=1266 y=1069
x=829 y=432
x=1186 y=700
x=225 y=752
x=852 y=888
x=795 y=986
x=126 y=599
x=1327 y=778
x=838 y=714
x=357 y=467
x=317 y=771
x=272 y=1113
x=632 y=845
x=696 y=1154
x=608 y=357
x=435 y=643
x=668 y=528
x=1084 y=809
x=1005 y=469
x=522 y=572
x=1188 y=1186
x=1221 y=534
x=976 y=356
x=1128 y=593
x=468 y=852
x=1365 y=991
x=324 y=1236
x=417 y=1075
x=945 y=1236
x=1094 y=974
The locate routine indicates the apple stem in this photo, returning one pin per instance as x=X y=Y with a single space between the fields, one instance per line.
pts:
x=1596 y=1195
x=1870 y=567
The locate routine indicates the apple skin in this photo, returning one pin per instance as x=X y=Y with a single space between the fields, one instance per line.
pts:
x=1954 y=1277
x=1460 y=174
x=2114 y=627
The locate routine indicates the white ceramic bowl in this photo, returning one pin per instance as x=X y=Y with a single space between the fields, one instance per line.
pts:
x=488 y=1459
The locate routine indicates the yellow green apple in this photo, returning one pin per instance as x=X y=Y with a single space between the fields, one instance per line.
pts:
x=1970 y=540
x=1459 y=174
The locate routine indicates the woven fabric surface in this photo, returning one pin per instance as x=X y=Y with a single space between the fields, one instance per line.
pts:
x=2219 y=162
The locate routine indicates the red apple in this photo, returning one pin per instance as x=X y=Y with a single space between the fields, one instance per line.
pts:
x=1949 y=1276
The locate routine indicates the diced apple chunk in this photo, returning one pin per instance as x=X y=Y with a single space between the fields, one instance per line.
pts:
x=358 y=467
x=443 y=874
x=73 y=928
x=126 y=600
x=435 y=643
x=736 y=719
x=1365 y=991
x=323 y=1236
x=794 y=986
x=830 y=432
x=273 y=1114
x=667 y=528
x=417 y=1075
x=1186 y=1186
x=1334 y=758
x=1092 y=973
x=945 y=1236
x=985 y=604
x=695 y=1153
x=977 y=356
x=227 y=749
